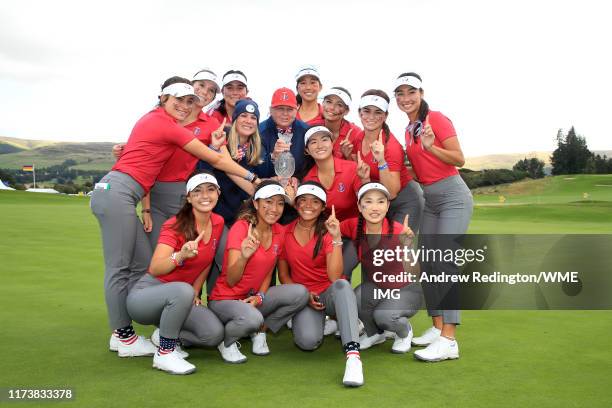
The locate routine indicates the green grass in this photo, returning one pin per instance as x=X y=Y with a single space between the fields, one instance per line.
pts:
x=51 y=301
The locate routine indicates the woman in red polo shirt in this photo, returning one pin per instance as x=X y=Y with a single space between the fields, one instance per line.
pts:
x=433 y=149
x=127 y=251
x=336 y=105
x=168 y=296
x=308 y=86
x=312 y=256
x=381 y=316
x=242 y=297
x=234 y=87
x=383 y=153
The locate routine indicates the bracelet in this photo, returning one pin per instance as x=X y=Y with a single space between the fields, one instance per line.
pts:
x=337 y=243
x=174 y=260
x=250 y=176
x=383 y=167
x=216 y=149
x=146 y=210
x=261 y=297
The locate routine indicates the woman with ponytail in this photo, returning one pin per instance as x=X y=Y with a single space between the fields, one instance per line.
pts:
x=433 y=149
x=313 y=257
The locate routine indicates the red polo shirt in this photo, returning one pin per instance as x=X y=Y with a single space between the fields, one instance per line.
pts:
x=394 y=156
x=192 y=267
x=429 y=168
x=343 y=192
x=153 y=140
x=257 y=267
x=314 y=120
x=181 y=164
x=310 y=272
x=219 y=116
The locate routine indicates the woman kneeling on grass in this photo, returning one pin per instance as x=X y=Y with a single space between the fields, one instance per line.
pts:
x=313 y=257
x=168 y=296
x=241 y=298
x=379 y=315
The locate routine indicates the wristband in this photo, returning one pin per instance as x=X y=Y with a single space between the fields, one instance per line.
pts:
x=250 y=176
x=383 y=167
x=337 y=243
x=216 y=149
x=174 y=260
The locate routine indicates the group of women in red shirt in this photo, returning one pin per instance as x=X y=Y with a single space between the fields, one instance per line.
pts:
x=354 y=188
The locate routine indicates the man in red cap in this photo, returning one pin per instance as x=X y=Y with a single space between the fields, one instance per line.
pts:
x=282 y=124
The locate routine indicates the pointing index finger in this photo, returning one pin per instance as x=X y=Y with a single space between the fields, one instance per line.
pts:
x=199 y=238
x=406 y=220
x=380 y=136
x=333 y=213
x=222 y=125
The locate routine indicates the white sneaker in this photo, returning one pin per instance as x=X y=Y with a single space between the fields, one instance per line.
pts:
x=178 y=350
x=260 y=346
x=365 y=341
x=389 y=334
x=427 y=338
x=360 y=329
x=231 y=354
x=113 y=344
x=331 y=326
x=290 y=324
x=139 y=348
x=402 y=345
x=353 y=372
x=441 y=349
x=172 y=363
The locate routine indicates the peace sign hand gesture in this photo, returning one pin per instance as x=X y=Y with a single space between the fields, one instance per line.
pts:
x=218 y=135
x=333 y=225
x=428 y=135
x=190 y=248
x=250 y=243
x=363 y=169
x=346 y=147
x=378 y=148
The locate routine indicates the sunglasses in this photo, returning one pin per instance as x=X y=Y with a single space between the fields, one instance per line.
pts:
x=415 y=129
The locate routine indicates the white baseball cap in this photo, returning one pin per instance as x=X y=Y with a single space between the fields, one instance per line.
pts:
x=178 y=90
x=201 y=178
x=313 y=130
x=372 y=186
x=270 y=191
x=313 y=190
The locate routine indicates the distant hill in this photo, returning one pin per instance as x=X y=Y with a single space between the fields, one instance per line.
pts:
x=506 y=161
x=14 y=153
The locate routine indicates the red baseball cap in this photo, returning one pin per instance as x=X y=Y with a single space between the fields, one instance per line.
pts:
x=284 y=97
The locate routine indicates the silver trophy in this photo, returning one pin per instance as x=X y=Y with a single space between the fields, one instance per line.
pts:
x=284 y=165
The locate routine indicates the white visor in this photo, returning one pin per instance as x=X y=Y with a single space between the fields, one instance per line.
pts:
x=313 y=130
x=374 y=100
x=234 y=77
x=206 y=76
x=201 y=179
x=270 y=191
x=313 y=190
x=340 y=94
x=372 y=186
x=407 y=80
x=178 y=90
x=307 y=70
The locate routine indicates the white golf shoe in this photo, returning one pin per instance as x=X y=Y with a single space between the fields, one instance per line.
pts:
x=331 y=326
x=140 y=347
x=231 y=354
x=260 y=346
x=427 y=338
x=290 y=324
x=178 y=350
x=389 y=334
x=113 y=343
x=441 y=349
x=402 y=345
x=365 y=341
x=172 y=363
x=353 y=372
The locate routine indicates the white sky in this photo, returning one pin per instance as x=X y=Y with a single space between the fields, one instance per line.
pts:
x=507 y=73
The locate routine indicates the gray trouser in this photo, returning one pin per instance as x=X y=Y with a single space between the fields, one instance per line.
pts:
x=127 y=252
x=170 y=307
x=387 y=314
x=167 y=198
x=448 y=210
x=350 y=257
x=241 y=319
x=339 y=301
x=409 y=201
x=215 y=269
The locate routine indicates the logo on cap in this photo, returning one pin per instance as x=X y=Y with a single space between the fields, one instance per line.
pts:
x=250 y=108
x=285 y=97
